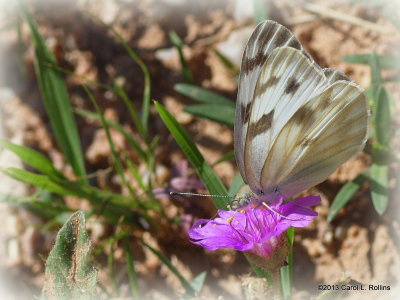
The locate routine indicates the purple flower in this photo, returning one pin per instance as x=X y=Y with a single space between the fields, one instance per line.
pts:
x=254 y=228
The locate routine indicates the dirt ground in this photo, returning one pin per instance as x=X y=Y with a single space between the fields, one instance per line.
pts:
x=358 y=244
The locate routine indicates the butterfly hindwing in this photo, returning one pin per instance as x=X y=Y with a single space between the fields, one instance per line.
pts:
x=319 y=137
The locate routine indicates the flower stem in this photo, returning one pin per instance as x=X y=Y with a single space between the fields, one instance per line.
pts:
x=276 y=277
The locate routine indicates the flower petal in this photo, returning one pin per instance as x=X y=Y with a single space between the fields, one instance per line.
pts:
x=310 y=200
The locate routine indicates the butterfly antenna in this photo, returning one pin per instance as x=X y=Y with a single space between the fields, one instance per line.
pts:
x=274 y=211
x=230 y=207
x=201 y=195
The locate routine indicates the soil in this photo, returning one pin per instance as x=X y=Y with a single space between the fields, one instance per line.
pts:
x=358 y=245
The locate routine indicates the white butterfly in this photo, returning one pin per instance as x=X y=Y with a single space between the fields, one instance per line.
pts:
x=295 y=122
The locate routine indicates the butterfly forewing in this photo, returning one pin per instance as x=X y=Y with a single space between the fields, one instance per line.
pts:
x=267 y=36
x=333 y=75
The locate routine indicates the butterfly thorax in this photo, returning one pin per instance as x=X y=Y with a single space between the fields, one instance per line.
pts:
x=245 y=193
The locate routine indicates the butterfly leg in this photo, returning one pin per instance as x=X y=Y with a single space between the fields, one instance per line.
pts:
x=274 y=211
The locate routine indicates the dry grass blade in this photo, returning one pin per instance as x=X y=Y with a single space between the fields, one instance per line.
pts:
x=335 y=15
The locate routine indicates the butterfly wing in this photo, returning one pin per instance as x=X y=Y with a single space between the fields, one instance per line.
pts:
x=322 y=134
x=295 y=122
x=287 y=81
x=267 y=36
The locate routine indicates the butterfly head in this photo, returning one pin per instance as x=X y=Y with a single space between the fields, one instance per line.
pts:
x=246 y=196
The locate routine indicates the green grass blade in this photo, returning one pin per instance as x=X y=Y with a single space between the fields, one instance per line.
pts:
x=345 y=194
x=202 y=95
x=287 y=271
x=111 y=206
x=236 y=185
x=143 y=67
x=117 y=162
x=32 y=158
x=57 y=102
x=230 y=156
x=16 y=199
x=385 y=61
x=44 y=182
x=186 y=284
x=119 y=90
x=198 y=282
x=109 y=242
x=55 y=183
x=227 y=62
x=43 y=204
x=55 y=214
x=205 y=172
x=380 y=169
x=95 y=195
x=376 y=75
x=129 y=138
x=111 y=269
x=69 y=275
x=260 y=272
x=146 y=188
x=41 y=181
x=64 y=187
x=131 y=270
x=370 y=93
x=72 y=74
x=21 y=48
x=152 y=158
x=135 y=173
x=104 y=290
x=382 y=118
x=51 y=184
x=379 y=187
x=178 y=44
x=218 y=113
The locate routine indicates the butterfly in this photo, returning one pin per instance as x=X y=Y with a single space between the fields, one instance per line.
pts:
x=295 y=122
